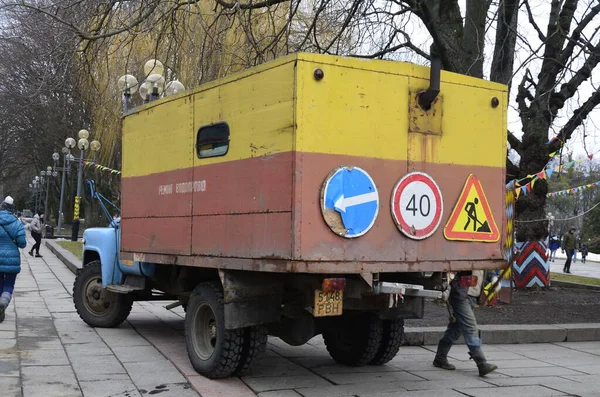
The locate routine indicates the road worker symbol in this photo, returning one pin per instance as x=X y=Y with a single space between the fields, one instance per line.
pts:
x=478 y=226
x=472 y=218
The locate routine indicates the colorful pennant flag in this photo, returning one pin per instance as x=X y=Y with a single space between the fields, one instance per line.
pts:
x=100 y=167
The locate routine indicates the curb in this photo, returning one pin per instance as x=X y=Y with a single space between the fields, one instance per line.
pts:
x=419 y=336
x=70 y=260
x=511 y=334
x=567 y=284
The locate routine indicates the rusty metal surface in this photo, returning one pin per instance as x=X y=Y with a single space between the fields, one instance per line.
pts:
x=314 y=241
x=288 y=266
x=157 y=235
x=155 y=195
x=254 y=185
x=263 y=235
x=425 y=121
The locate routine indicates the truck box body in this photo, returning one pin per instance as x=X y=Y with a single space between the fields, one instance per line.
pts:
x=258 y=207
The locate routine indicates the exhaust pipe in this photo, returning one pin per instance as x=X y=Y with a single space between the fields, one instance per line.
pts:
x=427 y=97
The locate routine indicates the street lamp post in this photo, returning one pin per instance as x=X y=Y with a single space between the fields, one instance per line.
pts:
x=36 y=190
x=83 y=144
x=48 y=174
x=151 y=88
x=66 y=168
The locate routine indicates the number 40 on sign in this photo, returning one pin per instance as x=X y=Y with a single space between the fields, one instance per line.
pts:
x=417 y=205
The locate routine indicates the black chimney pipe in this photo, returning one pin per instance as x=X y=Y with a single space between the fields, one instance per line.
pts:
x=427 y=97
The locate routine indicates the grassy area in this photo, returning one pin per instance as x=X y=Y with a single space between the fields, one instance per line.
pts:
x=75 y=247
x=575 y=279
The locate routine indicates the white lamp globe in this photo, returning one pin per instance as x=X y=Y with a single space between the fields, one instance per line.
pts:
x=70 y=144
x=83 y=134
x=154 y=66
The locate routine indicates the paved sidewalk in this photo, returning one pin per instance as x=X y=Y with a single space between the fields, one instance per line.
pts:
x=47 y=351
x=587 y=269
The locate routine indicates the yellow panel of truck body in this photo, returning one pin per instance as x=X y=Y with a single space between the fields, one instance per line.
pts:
x=361 y=108
x=158 y=138
x=258 y=109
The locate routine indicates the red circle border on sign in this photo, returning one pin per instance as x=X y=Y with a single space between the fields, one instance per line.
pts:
x=397 y=192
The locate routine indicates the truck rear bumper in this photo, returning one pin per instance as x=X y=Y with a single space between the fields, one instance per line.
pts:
x=318 y=267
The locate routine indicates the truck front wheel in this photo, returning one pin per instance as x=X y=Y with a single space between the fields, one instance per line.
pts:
x=354 y=340
x=214 y=351
x=97 y=306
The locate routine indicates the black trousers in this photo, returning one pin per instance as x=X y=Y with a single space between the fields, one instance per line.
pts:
x=38 y=241
x=567 y=267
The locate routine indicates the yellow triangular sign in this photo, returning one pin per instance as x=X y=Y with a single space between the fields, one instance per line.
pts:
x=472 y=218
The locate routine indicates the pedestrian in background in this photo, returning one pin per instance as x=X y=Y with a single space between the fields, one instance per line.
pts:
x=36 y=233
x=12 y=237
x=569 y=243
x=584 y=252
x=554 y=246
x=465 y=293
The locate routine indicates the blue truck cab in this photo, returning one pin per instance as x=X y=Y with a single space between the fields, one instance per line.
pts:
x=103 y=244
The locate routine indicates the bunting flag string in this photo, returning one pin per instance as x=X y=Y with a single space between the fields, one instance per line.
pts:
x=100 y=167
x=522 y=188
x=573 y=190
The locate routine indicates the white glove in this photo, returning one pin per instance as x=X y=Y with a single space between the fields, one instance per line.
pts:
x=498 y=286
x=445 y=295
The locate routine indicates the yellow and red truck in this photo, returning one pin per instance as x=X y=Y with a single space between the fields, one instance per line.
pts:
x=310 y=195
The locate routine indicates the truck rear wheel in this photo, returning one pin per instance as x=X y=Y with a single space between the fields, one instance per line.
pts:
x=214 y=351
x=255 y=343
x=354 y=340
x=97 y=306
x=391 y=340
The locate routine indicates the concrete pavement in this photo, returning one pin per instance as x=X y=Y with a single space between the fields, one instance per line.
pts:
x=578 y=268
x=47 y=351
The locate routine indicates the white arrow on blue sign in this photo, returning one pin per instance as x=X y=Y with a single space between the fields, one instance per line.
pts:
x=352 y=192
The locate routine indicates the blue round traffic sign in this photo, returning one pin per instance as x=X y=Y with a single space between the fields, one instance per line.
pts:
x=349 y=201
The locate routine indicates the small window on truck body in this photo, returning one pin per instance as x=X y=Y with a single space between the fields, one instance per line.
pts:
x=212 y=140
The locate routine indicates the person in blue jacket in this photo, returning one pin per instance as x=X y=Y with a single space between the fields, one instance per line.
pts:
x=12 y=237
x=554 y=246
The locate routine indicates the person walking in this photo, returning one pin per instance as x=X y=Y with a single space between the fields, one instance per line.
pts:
x=464 y=295
x=584 y=252
x=568 y=246
x=36 y=233
x=12 y=237
x=554 y=246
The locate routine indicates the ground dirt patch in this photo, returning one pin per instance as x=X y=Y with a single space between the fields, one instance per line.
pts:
x=552 y=306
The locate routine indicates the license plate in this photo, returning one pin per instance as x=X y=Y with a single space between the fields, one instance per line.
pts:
x=328 y=303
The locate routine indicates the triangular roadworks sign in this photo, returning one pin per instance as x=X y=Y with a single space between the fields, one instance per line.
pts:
x=472 y=218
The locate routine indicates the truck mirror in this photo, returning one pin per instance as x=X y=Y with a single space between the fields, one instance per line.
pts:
x=90 y=188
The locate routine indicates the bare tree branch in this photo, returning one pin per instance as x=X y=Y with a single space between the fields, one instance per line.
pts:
x=504 y=44
x=534 y=24
x=514 y=142
x=248 y=6
x=579 y=116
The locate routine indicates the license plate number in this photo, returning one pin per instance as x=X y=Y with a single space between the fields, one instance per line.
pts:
x=328 y=303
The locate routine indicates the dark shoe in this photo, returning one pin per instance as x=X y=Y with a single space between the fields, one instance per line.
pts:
x=38 y=256
x=482 y=364
x=486 y=368
x=441 y=357
x=30 y=253
x=2 y=315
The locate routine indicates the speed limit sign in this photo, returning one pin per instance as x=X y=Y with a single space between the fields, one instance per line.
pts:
x=417 y=205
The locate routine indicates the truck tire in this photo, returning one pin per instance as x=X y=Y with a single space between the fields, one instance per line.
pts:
x=214 y=351
x=355 y=340
x=255 y=343
x=97 y=306
x=391 y=340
